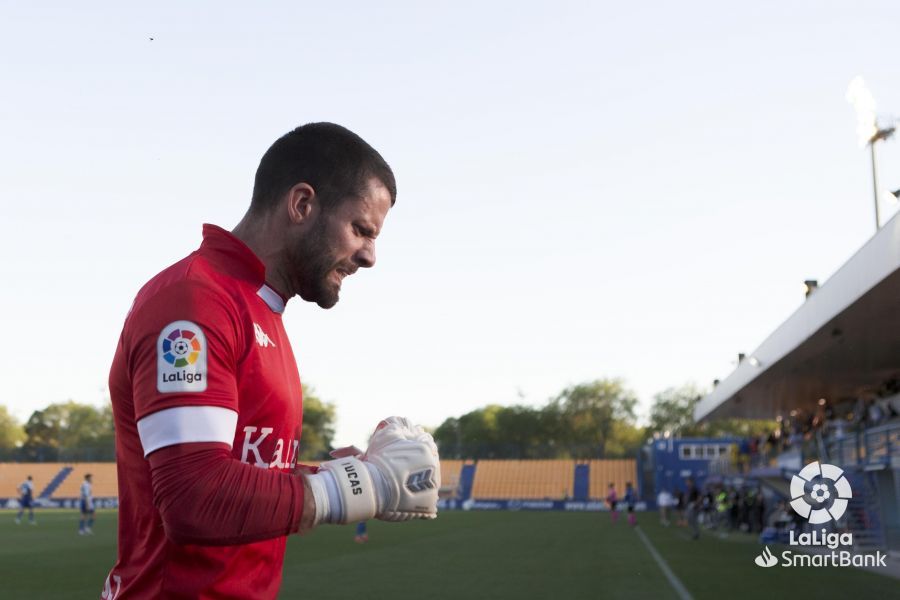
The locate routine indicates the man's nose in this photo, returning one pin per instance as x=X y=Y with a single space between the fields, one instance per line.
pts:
x=365 y=257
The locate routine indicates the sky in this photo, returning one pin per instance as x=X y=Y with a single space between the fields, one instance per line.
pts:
x=585 y=189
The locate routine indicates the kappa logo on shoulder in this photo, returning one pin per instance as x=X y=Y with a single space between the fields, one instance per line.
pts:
x=261 y=338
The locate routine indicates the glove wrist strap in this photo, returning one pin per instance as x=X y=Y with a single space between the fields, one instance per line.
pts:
x=345 y=492
x=382 y=489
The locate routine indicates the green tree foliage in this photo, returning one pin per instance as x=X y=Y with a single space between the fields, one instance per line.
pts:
x=588 y=412
x=70 y=431
x=318 y=426
x=673 y=409
x=625 y=440
x=11 y=432
x=590 y=420
x=673 y=412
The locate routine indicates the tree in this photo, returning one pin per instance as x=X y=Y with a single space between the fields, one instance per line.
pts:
x=588 y=412
x=673 y=412
x=70 y=431
x=625 y=440
x=11 y=432
x=318 y=426
x=589 y=420
x=447 y=436
x=523 y=432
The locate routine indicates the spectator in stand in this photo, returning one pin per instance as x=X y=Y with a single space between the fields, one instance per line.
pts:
x=839 y=427
x=875 y=414
x=859 y=411
x=771 y=442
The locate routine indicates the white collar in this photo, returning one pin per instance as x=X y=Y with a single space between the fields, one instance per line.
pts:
x=271 y=298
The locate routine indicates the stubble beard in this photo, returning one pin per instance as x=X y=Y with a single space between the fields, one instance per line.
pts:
x=314 y=261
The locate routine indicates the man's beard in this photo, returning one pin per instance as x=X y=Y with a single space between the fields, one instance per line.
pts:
x=313 y=260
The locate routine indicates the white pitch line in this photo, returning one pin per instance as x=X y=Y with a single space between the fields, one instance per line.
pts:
x=676 y=583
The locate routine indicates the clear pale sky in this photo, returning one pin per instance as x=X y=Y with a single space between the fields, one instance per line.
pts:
x=585 y=189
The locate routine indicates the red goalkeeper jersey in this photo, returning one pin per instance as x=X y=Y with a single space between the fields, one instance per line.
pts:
x=203 y=357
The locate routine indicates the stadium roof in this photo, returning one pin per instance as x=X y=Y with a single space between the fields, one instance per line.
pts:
x=844 y=342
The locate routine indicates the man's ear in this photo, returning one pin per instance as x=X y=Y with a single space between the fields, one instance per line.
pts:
x=302 y=204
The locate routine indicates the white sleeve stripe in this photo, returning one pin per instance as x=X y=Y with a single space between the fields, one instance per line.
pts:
x=183 y=424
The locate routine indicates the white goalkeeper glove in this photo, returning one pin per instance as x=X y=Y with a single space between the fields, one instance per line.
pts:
x=397 y=479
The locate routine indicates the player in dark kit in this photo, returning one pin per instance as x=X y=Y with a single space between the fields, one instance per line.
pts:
x=207 y=397
x=26 y=501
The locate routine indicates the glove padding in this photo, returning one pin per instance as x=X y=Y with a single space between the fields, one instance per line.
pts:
x=406 y=458
x=397 y=479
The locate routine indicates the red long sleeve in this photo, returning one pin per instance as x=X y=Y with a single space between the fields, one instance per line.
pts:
x=207 y=497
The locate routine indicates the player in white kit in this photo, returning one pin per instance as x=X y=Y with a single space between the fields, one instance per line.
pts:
x=87 y=507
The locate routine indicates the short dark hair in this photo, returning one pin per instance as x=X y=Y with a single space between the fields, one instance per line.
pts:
x=336 y=162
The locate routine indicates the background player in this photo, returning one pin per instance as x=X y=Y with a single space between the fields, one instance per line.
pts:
x=362 y=536
x=612 y=500
x=86 y=524
x=26 y=500
x=630 y=498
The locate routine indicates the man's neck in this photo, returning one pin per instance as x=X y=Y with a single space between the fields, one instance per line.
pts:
x=254 y=232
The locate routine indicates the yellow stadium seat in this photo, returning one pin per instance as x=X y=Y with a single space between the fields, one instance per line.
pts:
x=524 y=479
x=103 y=475
x=13 y=474
x=615 y=471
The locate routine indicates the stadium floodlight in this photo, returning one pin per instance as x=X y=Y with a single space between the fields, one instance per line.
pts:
x=810 y=285
x=867 y=129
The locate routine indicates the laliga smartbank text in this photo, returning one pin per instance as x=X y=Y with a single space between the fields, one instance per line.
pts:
x=838 y=557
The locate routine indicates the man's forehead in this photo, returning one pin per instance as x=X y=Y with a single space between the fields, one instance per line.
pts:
x=373 y=204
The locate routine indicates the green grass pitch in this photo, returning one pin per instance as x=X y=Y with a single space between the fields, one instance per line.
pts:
x=513 y=555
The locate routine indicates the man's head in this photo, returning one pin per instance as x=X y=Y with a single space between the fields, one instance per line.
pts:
x=87 y=477
x=29 y=478
x=326 y=192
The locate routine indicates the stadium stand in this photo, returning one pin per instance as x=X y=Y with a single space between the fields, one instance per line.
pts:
x=450 y=470
x=13 y=474
x=617 y=471
x=493 y=479
x=105 y=481
x=524 y=479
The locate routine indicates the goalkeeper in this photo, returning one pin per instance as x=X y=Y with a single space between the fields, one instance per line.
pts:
x=207 y=397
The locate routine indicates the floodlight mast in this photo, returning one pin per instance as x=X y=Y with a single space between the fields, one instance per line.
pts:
x=867 y=129
x=880 y=134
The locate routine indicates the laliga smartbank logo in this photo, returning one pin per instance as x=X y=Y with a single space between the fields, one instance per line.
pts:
x=820 y=493
x=766 y=559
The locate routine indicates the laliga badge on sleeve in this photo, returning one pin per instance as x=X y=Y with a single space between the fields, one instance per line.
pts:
x=181 y=358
